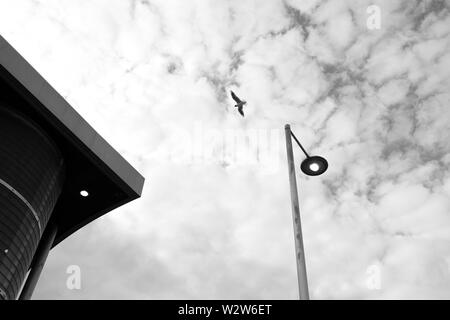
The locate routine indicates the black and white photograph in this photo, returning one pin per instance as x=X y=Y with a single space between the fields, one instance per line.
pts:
x=224 y=150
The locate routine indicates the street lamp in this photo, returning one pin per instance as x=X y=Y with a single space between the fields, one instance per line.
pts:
x=311 y=166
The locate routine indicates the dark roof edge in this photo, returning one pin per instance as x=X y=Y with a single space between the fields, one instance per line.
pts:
x=59 y=108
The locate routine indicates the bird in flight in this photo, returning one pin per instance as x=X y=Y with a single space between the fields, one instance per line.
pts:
x=239 y=103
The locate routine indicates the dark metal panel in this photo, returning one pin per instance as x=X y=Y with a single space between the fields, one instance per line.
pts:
x=10 y=59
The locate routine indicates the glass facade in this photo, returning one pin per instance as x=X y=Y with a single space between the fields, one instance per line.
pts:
x=31 y=179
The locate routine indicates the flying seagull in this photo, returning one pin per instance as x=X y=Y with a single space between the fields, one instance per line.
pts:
x=239 y=103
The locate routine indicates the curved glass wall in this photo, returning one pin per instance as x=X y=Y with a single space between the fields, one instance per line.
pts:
x=31 y=178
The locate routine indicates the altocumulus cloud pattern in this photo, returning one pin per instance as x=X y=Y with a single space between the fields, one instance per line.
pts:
x=372 y=97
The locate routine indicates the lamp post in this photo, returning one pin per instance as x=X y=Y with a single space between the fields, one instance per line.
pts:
x=312 y=166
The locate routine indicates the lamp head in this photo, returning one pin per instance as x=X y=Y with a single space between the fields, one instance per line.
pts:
x=314 y=166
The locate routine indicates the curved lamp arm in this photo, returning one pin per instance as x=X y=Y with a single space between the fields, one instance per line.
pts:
x=299 y=144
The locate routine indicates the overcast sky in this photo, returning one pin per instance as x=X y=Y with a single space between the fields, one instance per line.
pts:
x=214 y=222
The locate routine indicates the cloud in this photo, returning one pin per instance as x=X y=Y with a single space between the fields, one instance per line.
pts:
x=148 y=74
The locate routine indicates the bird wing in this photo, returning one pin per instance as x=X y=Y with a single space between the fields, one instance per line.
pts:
x=241 y=111
x=235 y=98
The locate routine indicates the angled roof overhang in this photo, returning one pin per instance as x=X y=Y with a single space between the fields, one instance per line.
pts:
x=91 y=163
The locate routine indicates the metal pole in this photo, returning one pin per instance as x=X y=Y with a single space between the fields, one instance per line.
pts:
x=299 y=250
x=38 y=261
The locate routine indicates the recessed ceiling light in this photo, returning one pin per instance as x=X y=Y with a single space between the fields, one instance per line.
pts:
x=84 y=193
